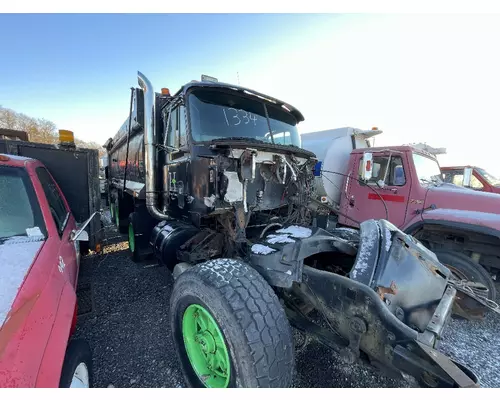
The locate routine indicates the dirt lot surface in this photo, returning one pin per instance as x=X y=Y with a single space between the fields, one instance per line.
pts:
x=124 y=316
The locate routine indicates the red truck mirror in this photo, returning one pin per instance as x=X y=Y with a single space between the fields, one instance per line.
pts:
x=467 y=176
x=367 y=166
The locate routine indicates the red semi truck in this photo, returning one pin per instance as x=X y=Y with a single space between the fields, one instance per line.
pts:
x=471 y=177
x=404 y=185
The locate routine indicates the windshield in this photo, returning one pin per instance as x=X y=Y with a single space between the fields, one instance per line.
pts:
x=19 y=211
x=428 y=170
x=216 y=114
x=493 y=181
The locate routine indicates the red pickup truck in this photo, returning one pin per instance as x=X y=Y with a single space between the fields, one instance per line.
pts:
x=39 y=259
x=471 y=177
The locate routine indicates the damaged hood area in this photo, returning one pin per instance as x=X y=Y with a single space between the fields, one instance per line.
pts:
x=252 y=174
x=17 y=255
x=407 y=277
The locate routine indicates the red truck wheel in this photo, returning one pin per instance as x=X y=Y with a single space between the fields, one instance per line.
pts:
x=464 y=267
x=77 y=368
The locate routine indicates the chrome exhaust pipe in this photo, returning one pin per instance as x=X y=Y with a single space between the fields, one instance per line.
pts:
x=149 y=149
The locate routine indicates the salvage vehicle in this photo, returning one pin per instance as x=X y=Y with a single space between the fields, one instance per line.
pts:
x=216 y=185
x=471 y=177
x=76 y=171
x=404 y=185
x=40 y=260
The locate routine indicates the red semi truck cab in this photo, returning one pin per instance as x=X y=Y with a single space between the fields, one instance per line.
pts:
x=405 y=185
x=472 y=177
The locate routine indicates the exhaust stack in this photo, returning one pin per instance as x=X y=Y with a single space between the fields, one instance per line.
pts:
x=149 y=150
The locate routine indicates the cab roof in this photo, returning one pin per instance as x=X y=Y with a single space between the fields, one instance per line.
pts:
x=404 y=148
x=243 y=90
x=13 y=160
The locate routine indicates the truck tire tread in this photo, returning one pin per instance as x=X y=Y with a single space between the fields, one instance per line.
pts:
x=260 y=317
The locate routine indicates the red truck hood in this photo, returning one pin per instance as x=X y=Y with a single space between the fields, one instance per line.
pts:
x=454 y=197
x=16 y=257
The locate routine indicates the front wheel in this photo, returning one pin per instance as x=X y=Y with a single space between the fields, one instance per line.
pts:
x=229 y=328
x=77 y=368
x=465 y=268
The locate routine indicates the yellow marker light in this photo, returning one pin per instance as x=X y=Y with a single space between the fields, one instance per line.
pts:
x=374 y=128
x=165 y=92
x=66 y=136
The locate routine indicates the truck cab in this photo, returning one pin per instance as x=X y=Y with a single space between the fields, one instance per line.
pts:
x=396 y=189
x=405 y=185
x=471 y=177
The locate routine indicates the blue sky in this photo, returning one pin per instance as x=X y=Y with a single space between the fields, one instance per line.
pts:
x=432 y=78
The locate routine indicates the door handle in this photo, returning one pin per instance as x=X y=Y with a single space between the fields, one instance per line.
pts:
x=351 y=201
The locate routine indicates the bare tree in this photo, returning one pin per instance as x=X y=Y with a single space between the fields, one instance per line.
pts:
x=38 y=129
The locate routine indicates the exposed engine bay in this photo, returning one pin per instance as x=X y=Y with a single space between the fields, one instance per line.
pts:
x=251 y=192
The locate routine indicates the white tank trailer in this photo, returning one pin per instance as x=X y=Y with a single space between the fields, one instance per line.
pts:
x=333 y=148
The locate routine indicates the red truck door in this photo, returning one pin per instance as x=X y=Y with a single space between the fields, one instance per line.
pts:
x=364 y=200
x=64 y=224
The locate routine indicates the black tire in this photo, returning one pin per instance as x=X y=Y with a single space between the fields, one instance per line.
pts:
x=84 y=248
x=78 y=352
x=467 y=268
x=122 y=223
x=136 y=226
x=253 y=322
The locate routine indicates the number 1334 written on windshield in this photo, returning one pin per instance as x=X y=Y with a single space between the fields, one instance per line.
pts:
x=236 y=117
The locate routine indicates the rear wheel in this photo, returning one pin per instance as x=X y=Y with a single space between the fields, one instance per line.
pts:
x=229 y=328
x=136 y=242
x=112 y=211
x=121 y=224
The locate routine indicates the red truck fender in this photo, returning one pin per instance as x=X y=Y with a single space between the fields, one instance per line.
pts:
x=472 y=221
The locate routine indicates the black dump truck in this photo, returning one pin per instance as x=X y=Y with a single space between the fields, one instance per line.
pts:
x=76 y=171
x=213 y=182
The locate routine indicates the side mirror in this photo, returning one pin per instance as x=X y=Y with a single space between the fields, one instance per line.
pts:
x=81 y=234
x=467 y=176
x=367 y=166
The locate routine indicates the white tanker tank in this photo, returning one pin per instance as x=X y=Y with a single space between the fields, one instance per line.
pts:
x=333 y=148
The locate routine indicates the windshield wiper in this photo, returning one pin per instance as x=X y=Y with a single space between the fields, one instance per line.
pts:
x=6 y=238
x=268 y=122
x=431 y=182
x=239 y=138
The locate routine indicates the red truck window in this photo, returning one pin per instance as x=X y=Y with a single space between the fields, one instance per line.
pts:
x=395 y=172
x=457 y=178
x=56 y=203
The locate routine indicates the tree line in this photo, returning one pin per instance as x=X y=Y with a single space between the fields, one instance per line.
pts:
x=39 y=130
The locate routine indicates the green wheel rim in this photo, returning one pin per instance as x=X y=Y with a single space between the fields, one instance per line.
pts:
x=205 y=347
x=117 y=217
x=131 y=238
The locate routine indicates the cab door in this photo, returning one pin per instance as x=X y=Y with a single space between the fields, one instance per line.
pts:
x=385 y=195
x=176 y=173
x=65 y=255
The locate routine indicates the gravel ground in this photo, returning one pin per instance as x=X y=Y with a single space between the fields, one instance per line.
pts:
x=129 y=333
